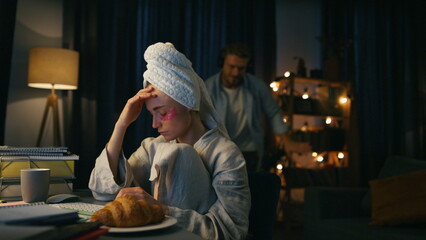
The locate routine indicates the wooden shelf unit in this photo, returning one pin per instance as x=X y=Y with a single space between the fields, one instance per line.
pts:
x=310 y=115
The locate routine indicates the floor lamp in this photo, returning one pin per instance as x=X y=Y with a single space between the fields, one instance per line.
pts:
x=52 y=68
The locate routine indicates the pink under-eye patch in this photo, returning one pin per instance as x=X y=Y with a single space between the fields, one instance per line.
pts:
x=169 y=115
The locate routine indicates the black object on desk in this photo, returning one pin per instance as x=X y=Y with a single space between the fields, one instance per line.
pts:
x=73 y=231
x=63 y=198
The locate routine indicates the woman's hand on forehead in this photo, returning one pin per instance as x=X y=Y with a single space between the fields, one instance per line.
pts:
x=134 y=105
x=146 y=93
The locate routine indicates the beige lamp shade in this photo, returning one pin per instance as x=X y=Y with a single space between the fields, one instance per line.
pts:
x=53 y=68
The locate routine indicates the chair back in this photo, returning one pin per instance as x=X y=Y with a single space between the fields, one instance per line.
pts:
x=265 y=189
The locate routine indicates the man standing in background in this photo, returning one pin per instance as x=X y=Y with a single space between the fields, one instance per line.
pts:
x=240 y=99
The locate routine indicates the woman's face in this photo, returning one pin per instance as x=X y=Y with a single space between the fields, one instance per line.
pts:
x=170 y=118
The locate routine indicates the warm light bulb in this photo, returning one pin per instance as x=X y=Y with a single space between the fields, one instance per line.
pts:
x=287 y=74
x=304 y=127
x=279 y=166
x=284 y=119
x=340 y=155
x=305 y=94
x=320 y=159
x=274 y=86
x=328 y=120
x=343 y=100
x=314 y=154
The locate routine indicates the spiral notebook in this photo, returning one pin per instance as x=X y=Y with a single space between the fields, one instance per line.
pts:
x=33 y=151
x=36 y=214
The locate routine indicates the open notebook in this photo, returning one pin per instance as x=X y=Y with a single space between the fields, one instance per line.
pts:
x=36 y=214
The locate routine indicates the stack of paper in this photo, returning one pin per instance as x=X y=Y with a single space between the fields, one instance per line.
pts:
x=58 y=159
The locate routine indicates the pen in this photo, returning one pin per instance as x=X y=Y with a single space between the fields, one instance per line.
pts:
x=3 y=201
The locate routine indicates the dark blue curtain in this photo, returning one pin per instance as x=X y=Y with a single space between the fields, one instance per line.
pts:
x=384 y=62
x=392 y=118
x=7 y=28
x=112 y=36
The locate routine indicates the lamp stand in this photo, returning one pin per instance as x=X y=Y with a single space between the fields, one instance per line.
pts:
x=52 y=102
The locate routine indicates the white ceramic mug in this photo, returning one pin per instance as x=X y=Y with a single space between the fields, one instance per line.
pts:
x=35 y=184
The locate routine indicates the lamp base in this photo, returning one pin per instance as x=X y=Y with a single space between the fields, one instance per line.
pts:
x=52 y=102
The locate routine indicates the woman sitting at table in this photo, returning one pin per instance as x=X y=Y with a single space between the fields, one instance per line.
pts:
x=192 y=169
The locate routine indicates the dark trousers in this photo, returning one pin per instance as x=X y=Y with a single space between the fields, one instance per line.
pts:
x=251 y=160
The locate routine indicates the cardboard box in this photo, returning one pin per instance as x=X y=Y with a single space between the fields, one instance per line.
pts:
x=12 y=169
x=63 y=167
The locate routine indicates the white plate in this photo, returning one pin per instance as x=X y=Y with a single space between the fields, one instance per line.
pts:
x=167 y=222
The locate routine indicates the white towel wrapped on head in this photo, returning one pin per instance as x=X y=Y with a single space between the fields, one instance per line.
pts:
x=171 y=72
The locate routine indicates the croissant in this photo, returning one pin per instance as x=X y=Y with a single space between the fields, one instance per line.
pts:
x=126 y=211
